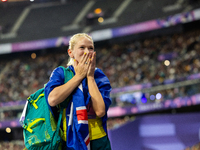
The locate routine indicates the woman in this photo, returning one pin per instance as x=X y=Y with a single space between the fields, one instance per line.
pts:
x=86 y=114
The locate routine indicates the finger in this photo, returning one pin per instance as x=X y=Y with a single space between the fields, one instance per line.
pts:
x=86 y=58
x=89 y=57
x=83 y=58
x=89 y=61
x=94 y=56
x=90 y=54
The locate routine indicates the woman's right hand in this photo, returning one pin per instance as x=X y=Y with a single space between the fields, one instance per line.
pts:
x=81 y=68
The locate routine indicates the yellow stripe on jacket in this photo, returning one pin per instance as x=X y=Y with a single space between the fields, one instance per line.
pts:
x=64 y=125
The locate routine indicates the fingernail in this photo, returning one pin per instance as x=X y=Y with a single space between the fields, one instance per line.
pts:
x=89 y=59
x=85 y=53
x=74 y=59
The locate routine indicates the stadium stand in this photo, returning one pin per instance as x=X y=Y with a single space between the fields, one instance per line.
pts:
x=168 y=61
x=50 y=19
x=135 y=63
x=9 y=15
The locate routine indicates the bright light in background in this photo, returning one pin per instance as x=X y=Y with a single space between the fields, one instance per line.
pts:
x=167 y=62
x=97 y=11
x=100 y=19
x=4 y=0
x=8 y=130
x=152 y=97
x=33 y=56
x=158 y=96
x=32 y=0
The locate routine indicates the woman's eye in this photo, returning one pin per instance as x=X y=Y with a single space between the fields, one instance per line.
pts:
x=82 y=47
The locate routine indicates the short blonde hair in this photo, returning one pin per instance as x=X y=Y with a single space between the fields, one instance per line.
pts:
x=72 y=43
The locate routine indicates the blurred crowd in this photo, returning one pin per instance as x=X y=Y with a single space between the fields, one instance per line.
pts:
x=23 y=75
x=125 y=64
x=140 y=62
x=10 y=114
x=12 y=145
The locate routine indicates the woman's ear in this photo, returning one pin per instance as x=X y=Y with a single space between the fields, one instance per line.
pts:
x=70 y=53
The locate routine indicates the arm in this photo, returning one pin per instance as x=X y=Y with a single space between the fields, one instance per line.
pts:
x=97 y=100
x=60 y=93
x=96 y=97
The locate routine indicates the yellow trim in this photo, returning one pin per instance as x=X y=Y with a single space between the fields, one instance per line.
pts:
x=35 y=121
x=64 y=125
x=33 y=102
x=34 y=105
x=28 y=128
x=39 y=97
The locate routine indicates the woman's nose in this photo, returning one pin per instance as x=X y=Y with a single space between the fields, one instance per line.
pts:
x=87 y=50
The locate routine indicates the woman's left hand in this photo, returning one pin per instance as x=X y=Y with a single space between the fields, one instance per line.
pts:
x=92 y=66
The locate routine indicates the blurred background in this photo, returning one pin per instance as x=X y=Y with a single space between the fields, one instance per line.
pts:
x=149 y=50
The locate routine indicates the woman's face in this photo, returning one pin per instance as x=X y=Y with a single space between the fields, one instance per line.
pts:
x=83 y=45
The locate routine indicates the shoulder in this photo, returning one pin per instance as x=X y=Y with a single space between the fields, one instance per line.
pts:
x=57 y=72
